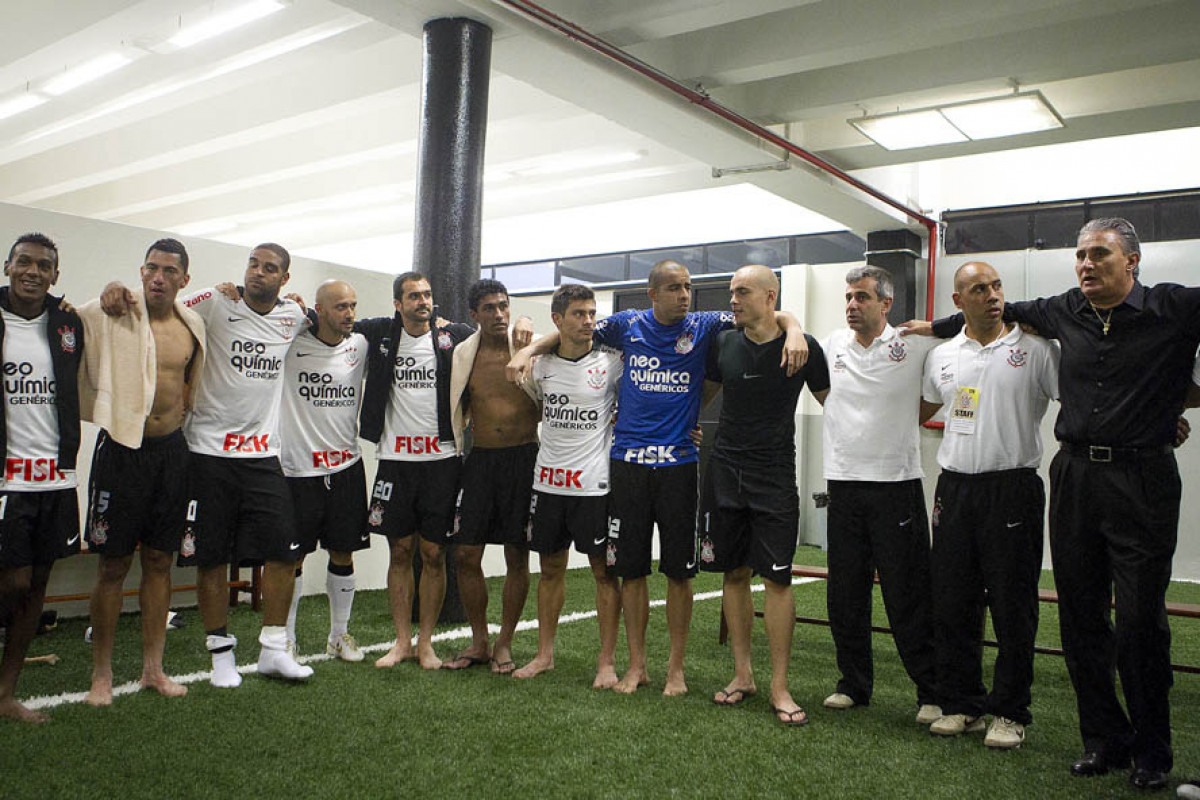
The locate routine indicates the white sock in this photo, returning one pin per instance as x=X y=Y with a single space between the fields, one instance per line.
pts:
x=224 y=667
x=340 y=589
x=273 y=637
x=291 y=620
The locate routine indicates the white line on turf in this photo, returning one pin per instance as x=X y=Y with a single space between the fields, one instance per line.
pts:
x=54 y=700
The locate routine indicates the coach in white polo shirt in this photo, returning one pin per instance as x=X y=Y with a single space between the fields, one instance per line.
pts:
x=876 y=504
x=996 y=382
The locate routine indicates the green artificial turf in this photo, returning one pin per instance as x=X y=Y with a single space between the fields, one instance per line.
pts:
x=358 y=731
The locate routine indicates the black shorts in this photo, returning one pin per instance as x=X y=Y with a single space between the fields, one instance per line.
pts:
x=496 y=489
x=137 y=496
x=38 y=528
x=331 y=510
x=415 y=497
x=749 y=518
x=557 y=520
x=240 y=512
x=640 y=496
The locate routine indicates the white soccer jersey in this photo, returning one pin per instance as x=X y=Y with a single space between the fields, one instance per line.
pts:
x=410 y=426
x=577 y=399
x=30 y=413
x=321 y=394
x=873 y=408
x=995 y=397
x=236 y=409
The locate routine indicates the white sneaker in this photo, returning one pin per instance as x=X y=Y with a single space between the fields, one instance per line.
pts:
x=280 y=664
x=955 y=724
x=1189 y=790
x=224 y=666
x=929 y=713
x=1005 y=733
x=293 y=650
x=344 y=647
x=839 y=702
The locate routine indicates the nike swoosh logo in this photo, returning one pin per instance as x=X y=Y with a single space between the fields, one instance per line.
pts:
x=778 y=567
x=1011 y=524
x=601 y=540
x=364 y=538
x=691 y=564
x=73 y=540
x=236 y=319
x=303 y=355
x=345 y=590
x=747 y=376
x=293 y=546
x=637 y=338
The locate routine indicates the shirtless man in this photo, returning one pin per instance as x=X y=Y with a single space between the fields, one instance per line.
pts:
x=497 y=475
x=138 y=487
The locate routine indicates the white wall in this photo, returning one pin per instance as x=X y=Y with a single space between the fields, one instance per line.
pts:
x=94 y=252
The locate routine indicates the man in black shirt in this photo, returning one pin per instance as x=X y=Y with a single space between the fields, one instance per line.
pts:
x=1127 y=353
x=750 y=511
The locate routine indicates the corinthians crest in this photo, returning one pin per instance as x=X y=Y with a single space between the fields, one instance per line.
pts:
x=596 y=377
x=685 y=343
x=897 y=351
x=68 y=338
x=707 y=555
x=99 y=532
x=376 y=517
x=1018 y=358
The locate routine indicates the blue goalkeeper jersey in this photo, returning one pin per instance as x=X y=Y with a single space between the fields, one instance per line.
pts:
x=659 y=400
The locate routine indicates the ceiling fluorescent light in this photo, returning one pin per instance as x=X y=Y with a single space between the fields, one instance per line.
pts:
x=22 y=102
x=86 y=73
x=1027 y=112
x=908 y=129
x=223 y=22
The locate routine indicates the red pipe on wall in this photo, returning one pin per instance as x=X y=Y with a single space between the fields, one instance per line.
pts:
x=573 y=31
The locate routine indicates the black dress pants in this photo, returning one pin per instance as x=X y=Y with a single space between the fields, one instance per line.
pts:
x=1113 y=528
x=880 y=526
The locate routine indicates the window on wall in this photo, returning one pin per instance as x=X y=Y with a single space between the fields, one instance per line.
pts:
x=827 y=248
x=592 y=269
x=642 y=261
x=731 y=256
x=1160 y=217
x=522 y=277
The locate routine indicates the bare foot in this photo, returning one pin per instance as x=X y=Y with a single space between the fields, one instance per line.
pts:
x=786 y=710
x=606 y=678
x=428 y=658
x=13 y=710
x=502 y=661
x=159 y=682
x=676 y=686
x=467 y=659
x=401 y=651
x=632 y=680
x=100 y=695
x=535 y=667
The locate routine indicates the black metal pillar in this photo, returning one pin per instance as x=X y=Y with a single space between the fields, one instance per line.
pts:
x=454 y=98
x=897 y=252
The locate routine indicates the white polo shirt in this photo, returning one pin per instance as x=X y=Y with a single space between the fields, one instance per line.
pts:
x=995 y=396
x=872 y=413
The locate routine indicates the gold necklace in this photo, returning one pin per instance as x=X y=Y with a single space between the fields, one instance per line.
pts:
x=1106 y=322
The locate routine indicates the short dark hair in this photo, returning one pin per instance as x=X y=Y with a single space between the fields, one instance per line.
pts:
x=1125 y=232
x=403 y=278
x=35 y=238
x=481 y=289
x=170 y=246
x=658 y=273
x=278 y=250
x=569 y=293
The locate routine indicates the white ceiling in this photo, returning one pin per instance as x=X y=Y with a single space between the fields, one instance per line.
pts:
x=301 y=127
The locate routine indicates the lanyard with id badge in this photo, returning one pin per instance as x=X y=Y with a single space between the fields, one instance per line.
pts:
x=965 y=411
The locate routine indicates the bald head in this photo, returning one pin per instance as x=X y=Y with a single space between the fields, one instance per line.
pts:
x=980 y=294
x=336 y=305
x=970 y=271
x=753 y=292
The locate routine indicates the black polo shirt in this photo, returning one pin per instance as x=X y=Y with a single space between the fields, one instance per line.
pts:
x=1126 y=388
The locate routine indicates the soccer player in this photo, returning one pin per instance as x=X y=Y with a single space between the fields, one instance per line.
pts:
x=139 y=371
x=750 y=512
x=497 y=478
x=406 y=413
x=877 y=515
x=323 y=375
x=996 y=382
x=41 y=346
x=653 y=474
x=576 y=388
x=240 y=507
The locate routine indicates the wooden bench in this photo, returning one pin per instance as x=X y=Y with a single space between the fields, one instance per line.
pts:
x=237 y=584
x=1189 y=610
